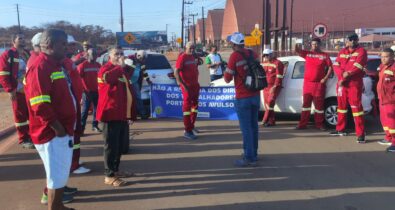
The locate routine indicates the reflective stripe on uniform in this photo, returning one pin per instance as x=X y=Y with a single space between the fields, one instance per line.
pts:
x=4 y=73
x=386 y=128
x=392 y=131
x=354 y=54
x=279 y=76
x=20 y=124
x=269 y=65
x=186 y=113
x=194 y=110
x=342 y=111
x=336 y=64
x=76 y=146
x=241 y=63
x=319 y=111
x=16 y=60
x=357 y=114
x=40 y=99
x=344 y=56
x=99 y=80
x=57 y=75
x=358 y=66
x=306 y=109
x=230 y=71
x=389 y=72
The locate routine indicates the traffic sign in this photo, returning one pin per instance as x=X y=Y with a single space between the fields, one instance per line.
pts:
x=320 y=30
x=129 y=38
x=256 y=33
x=251 y=41
x=179 y=40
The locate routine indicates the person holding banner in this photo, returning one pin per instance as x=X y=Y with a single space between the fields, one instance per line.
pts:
x=187 y=75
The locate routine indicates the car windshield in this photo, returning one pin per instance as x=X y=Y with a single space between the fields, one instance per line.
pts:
x=157 y=62
x=373 y=64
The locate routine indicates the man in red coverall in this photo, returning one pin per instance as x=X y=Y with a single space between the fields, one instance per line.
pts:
x=187 y=75
x=12 y=73
x=114 y=109
x=349 y=67
x=386 y=94
x=274 y=76
x=318 y=68
x=52 y=113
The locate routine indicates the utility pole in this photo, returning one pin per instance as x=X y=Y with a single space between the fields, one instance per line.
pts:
x=204 y=28
x=166 y=33
x=194 y=27
x=276 y=30
x=19 y=22
x=182 y=21
x=284 y=25
x=291 y=25
x=266 y=9
x=121 y=21
x=188 y=30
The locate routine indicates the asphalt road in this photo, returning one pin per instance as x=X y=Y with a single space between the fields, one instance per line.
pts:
x=306 y=170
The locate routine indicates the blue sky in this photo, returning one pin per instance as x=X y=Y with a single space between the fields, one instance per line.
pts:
x=138 y=15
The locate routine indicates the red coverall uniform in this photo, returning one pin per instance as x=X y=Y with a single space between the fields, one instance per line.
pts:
x=9 y=79
x=274 y=76
x=317 y=64
x=188 y=66
x=386 y=94
x=352 y=61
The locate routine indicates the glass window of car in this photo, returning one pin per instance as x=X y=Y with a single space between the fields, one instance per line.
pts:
x=373 y=64
x=157 y=61
x=298 y=72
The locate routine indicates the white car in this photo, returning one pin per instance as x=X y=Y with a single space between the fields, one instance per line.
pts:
x=291 y=96
x=158 y=69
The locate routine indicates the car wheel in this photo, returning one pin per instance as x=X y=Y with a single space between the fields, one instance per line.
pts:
x=330 y=113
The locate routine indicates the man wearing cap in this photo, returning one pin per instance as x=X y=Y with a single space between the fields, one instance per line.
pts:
x=274 y=76
x=386 y=94
x=136 y=80
x=12 y=73
x=318 y=68
x=348 y=67
x=187 y=75
x=247 y=101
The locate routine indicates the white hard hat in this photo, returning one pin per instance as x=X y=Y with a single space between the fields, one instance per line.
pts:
x=141 y=54
x=267 y=52
x=70 y=39
x=237 y=38
x=36 y=39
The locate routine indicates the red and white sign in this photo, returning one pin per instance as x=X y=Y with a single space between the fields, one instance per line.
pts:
x=320 y=30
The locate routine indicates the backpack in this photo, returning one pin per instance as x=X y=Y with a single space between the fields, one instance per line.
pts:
x=256 y=76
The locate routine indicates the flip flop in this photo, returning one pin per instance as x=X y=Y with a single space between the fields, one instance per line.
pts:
x=114 y=181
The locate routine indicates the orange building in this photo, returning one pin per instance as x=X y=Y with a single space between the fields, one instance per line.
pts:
x=214 y=26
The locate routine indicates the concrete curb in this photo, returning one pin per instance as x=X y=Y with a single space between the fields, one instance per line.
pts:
x=6 y=132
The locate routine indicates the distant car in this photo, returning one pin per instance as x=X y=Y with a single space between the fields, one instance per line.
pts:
x=291 y=96
x=158 y=69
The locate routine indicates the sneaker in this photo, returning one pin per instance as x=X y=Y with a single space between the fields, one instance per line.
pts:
x=245 y=163
x=391 y=148
x=27 y=144
x=338 y=133
x=65 y=199
x=96 y=129
x=361 y=140
x=189 y=135
x=384 y=142
x=195 y=131
x=81 y=170
x=70 y=190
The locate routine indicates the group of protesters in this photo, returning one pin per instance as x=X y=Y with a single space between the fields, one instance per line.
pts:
x=47 y=85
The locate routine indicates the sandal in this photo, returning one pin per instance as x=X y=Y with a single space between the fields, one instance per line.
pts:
x=114 y=181
x=124 y=174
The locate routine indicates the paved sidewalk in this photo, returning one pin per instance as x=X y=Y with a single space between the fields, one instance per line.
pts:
x=304 y=170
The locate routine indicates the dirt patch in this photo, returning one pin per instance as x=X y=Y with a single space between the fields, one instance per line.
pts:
x=6 y=116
